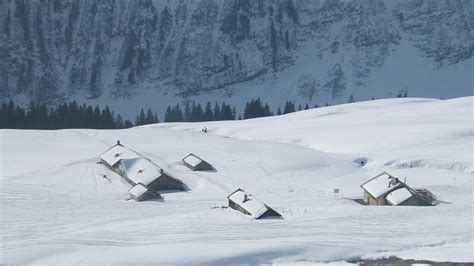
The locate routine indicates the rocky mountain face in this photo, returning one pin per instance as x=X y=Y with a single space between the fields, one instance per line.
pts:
x=55 y=50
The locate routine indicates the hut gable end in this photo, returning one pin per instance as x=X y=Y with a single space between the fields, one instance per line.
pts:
x=247 y=204
x=381 y=185
x=196 y=163
x=141 y=192
x=398 y=196
x=115 y=154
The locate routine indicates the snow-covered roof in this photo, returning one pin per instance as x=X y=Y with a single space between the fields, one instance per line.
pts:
x=192 y=160
x=117 y=153
x=398 y=196
x=138 y=190
x=255 y=207
x=141 y=170
x=380 y=185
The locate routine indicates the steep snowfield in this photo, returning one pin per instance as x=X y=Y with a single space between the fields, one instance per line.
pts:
x=403 y=69
x=57 y=208
x=132 y=54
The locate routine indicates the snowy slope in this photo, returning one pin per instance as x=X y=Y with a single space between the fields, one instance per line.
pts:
x=57 y=208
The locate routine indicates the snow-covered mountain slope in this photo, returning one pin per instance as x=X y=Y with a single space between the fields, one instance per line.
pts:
x=152 y=53
x=56 y=207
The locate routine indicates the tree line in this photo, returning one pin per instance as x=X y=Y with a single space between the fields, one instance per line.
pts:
x=67 y=115
x=73 y=115
x=192 y=112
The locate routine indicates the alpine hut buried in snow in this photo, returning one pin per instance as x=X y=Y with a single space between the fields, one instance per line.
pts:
x=385 y=189
x=114 y=155
x=140 y=193
x=195 y=163
x=241 y=201
x=136 y=169
x=141 y=170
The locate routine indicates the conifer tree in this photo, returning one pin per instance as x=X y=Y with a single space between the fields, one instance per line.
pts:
x=150 y=118
x=351 y=99
x=255 y=108
x=178 y=113
x=226 y=112
x=19 y=118
x=168 y=114
x=267 y=111
x=140 y=120
x=107 y=118
x=208 y=113
x=127 y=124
x=289 y=108
x=197 y=113
x=119 y=121
x=187 y=112
x=217 y=112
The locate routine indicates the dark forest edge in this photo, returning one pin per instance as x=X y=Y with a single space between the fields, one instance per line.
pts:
x=73 y=115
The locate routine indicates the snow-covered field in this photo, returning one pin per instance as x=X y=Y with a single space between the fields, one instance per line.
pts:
x=57 y=208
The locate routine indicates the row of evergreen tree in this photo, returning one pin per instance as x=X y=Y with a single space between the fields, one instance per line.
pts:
x=67 y=115
x=72 y=115
x=193 y=112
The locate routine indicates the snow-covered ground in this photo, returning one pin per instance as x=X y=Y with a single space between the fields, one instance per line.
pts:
x=55 y=206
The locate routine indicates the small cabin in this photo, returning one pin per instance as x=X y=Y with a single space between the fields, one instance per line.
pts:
x=385 y=189
x=141 y=193
x=111 y=157
x=136 y=169
x=245 y=203
x=142 y=170
x=195 y=163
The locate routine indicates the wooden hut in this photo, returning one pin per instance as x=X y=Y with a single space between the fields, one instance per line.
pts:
x=195 y=163
x=111 y=157
x=385 y=189
x=245 y=203
x=135 y=169
x=141 y=193
x=142 y=170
